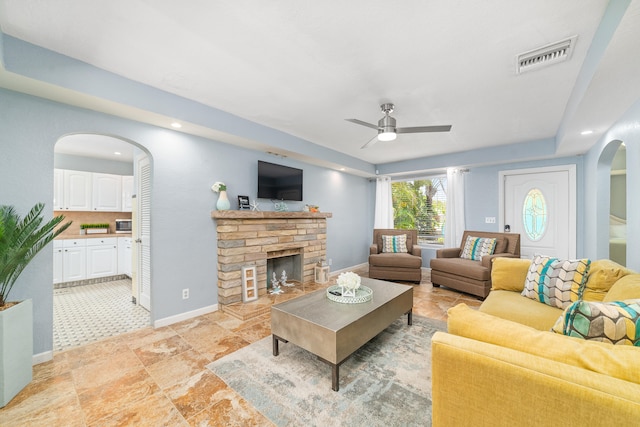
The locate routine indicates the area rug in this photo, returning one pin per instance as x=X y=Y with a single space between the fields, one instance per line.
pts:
x=385 y=383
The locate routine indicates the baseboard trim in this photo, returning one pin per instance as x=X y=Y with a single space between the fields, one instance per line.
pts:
x=364 y=266
x=42 y=357
x=184 y=316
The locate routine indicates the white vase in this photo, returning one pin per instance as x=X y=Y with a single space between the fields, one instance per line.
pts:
x=223 y=201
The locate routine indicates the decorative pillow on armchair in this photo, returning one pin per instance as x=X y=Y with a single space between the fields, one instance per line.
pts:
x=556 y=282
x=477 y=247
x=394 y=244
x=615 y=322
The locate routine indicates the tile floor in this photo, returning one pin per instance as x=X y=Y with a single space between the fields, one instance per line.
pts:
x=157 y=377
x=89 y=313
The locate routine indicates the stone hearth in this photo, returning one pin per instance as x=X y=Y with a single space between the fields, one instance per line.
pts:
x=248 y=238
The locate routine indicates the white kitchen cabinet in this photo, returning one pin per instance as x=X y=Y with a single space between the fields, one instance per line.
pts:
x=124 y=255
x=102 y=257
x=107 y=192
x=127 y=193
x=58 y=189
x=77 y=189
x=58 y=266
x=74 y=260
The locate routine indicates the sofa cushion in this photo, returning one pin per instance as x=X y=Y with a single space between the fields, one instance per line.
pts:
x=626 y=288
x=394 y=244
x=619 y=361
x=509 y=274
x=477 y=247
x=555 y=282
x=399 y=260
x=461 y=267
x=611 y=322
x=603 y=273
x=513 y=306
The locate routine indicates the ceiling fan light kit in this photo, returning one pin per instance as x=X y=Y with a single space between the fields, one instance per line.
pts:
x=387 y=130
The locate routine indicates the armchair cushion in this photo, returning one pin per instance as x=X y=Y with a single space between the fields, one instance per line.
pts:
x=397 y=260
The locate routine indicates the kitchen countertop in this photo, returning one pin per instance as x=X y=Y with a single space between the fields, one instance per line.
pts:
x=92 y=236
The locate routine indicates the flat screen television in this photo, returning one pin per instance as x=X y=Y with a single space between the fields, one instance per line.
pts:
x=279 y=182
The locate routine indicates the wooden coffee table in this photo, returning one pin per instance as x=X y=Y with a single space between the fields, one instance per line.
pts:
x=332 y=330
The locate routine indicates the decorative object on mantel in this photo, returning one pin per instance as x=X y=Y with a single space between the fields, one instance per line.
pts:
x=102 y=228
x=275 y=285
x=243 y=203
x=280 y=206
x=255 y=206
x=223 y=201
x=349 y=290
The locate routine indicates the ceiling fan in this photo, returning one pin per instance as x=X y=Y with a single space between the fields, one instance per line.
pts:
x=387 y=130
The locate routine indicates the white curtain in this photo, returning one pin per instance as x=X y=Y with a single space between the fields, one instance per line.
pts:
x=384 y=205
x=455 y=225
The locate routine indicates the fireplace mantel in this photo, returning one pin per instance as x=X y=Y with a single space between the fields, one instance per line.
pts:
x=268 y=215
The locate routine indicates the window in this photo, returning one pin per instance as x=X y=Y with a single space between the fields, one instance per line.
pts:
x=421 y=204
x=534 y=214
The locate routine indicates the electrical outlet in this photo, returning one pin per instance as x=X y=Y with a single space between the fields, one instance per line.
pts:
x=185 y=293
x=330 y=261
x=490 y=220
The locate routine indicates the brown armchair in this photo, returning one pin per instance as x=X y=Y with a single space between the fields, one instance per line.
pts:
x=395 y=266
x=473 y=277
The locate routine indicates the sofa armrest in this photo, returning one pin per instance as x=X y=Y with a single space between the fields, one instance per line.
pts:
x=466 y=371
x=416 y=251
x=448 y=253
x=373 y=249
x=487 y=260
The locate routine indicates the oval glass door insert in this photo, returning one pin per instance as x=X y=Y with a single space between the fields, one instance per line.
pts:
x=534 y=214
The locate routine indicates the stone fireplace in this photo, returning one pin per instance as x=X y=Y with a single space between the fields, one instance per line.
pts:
x=270 y=241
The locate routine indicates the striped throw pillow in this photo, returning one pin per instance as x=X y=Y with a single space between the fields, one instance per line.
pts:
x=394 y=244
x=477 y=247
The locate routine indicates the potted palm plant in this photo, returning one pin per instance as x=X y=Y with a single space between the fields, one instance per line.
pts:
x=20 y=240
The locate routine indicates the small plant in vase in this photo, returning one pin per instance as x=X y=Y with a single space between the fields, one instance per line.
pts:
x=223 y=203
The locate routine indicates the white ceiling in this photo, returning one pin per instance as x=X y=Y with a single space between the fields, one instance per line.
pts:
x=302 y=67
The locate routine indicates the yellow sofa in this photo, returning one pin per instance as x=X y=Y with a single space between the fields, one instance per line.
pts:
x=502 y=366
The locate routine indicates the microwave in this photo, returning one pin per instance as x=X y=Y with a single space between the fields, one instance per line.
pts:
x=123 y=226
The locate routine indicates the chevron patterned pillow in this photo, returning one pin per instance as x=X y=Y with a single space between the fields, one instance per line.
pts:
x=556 y=282
x=616 y=322
x=477 y=247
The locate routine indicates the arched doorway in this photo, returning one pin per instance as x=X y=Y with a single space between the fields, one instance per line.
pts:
x=611 y=197
x=97 y=181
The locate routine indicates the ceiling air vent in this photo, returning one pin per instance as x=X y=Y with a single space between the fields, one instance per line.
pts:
x=546 y=55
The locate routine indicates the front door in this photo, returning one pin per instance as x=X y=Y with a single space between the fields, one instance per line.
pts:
x=540 y=205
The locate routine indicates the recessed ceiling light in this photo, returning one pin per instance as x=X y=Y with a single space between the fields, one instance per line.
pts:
x=176 y=125
x=342 y=169
x=586 y=132
x=117 y=153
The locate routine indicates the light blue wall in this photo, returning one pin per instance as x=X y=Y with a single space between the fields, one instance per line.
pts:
x=183 y=238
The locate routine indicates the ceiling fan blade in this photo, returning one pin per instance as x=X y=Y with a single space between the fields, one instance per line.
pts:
x=360 y=122
x=419 y=129
x=371 y=142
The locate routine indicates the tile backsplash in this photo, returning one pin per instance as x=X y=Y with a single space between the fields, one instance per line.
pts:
x=88 y=217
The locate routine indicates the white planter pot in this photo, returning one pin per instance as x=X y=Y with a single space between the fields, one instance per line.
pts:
x=16 y=350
